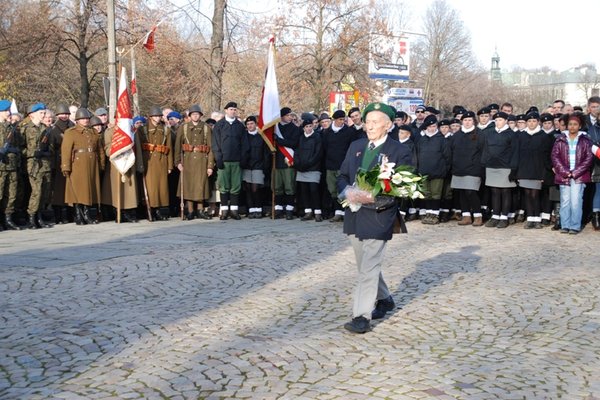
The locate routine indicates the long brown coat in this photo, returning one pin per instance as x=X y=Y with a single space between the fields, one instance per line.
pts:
x=156 y=164
x=112 y=179
x=83 y=184
x=195 y=164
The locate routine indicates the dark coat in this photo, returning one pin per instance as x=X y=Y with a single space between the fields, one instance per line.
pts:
x=255 y=153
x=583 y=160
x=290 y=134
x=500 y=150
x=367 y=223
x=227 y=141
x=534 y=154
x=335 y=145
x=433 y=156
x=594 y=136
x=466 y=149
x=309 y=153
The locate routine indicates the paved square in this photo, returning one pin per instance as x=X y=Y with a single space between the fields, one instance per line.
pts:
x=255 y=309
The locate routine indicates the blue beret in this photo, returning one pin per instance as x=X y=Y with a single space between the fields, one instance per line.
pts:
x=139 y=118
x=174 y=114
x=37 y=107
x=5 y=105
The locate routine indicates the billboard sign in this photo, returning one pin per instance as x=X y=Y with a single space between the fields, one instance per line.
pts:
x=389 y=58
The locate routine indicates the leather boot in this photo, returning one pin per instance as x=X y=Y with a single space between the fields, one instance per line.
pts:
x=596 y=220
x=10 y=224
x=224 y=215
x=477 y=221
x=40 y=221
x=556 y=226
x=289 y=215
x=308 y=216
x=234 y=214
x=57 y=214
x=78 y=215
x=32 y=224
x=86 y=216
x=465 y=220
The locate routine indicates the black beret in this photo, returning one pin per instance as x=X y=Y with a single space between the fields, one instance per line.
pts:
x=545 y=117
x=444 y=122
x=324 y=116
x=250 y=118
x=458 y=110
x=455 y=121
x=532 y=115
x=428 y=121
x=401 y=114
x=493 y=106
x=353 y=110
x=532 y=109
x=285 y=111
x=432 y=110
x=339 y=114
x=405 y=128
x=511 y=118
x=211 y=121
x=306 y=122
x=501 y=114
x=306 y=116
x=230 y=105
x=468 y=114
x=484 y=110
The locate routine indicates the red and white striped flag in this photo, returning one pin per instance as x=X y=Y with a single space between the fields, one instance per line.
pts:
x=133 y=82
x=122 y=155
x=149 y=39
x=269 y=114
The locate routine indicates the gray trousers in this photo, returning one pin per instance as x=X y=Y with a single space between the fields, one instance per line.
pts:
x=370 y=284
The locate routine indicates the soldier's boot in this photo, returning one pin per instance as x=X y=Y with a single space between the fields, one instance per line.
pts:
x=32 y=223
x=234 y=214
x=10 y=224
x=40 y=221
x=289 y=215
x=64 y=213
x=87 y=217
x=78 y=215
x=308 y=216
x=57 y=214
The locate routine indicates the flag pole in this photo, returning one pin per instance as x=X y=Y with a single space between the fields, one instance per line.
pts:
x=136 y=104
x=273 y=155
x=119 y=198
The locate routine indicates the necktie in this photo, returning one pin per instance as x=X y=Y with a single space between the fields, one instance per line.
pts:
x=371 y=146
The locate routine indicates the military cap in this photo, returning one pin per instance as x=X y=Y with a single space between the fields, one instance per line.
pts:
x=484 y=110
x=285 y=111
x=405 y=128
x=533 y=109
x=155 y=111
x=62 y=109
x=521 y=117
x=194 y=108
x=455 y=121
x=468 y=114
x=501 y=114
x=545 y=117
x=382 y=107
x=139 y=118
x=83 y=113
x=532 y=115
x=432 y=110
x=100 y=111
x=211 y=121
x=458 y=110
x=325 y=116
x=231 y=104
x=511 y=117
x=339 y=114
x=401 y=114
x=175 y=114
x=493 y=106
x=305 y=123
x=428 y=121
x=95 y=121
x=5 y=105
x=250 y=118
x=353 y=110
x=36 y=107
x=444 y=122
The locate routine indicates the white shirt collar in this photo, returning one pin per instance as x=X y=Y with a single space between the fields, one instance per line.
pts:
x=380 y=141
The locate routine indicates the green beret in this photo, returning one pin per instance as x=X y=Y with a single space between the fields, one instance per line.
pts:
x=384 y=108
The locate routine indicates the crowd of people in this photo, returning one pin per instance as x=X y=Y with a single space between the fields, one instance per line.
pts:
x=491 y=168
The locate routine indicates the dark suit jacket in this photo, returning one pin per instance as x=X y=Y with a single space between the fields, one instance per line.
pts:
x=367 y=223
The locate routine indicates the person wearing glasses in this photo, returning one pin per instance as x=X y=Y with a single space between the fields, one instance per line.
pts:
x=419 y=118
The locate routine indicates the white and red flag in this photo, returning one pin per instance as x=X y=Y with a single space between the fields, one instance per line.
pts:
x=122 y=155
x=133 y=81
x=270 y=109
x=148 y=42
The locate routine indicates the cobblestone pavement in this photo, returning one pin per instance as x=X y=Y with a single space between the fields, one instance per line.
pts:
x=255 y=309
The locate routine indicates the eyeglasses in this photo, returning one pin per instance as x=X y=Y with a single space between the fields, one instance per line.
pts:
x=419 y=112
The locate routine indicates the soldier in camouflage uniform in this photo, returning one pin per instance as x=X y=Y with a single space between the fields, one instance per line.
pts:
x=39 y=160
x=9 y=161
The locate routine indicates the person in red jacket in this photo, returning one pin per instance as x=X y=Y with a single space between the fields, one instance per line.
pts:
x=571 y=161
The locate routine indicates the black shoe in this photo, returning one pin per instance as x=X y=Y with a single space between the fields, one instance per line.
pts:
x=79 y=215
x=235 y=215
x=289 y=215
x=10 y=224
x=40 y=221
x=511 y=221
x=337 y=218
x=444 y=217
x=564 y=230
x=492 y=223
x=411 y=217
x=278 y=214
x=573 y=231
x=358 y=325
x=318 y=218
x=203 y=215
x=596 y=220
x=520 y=218
x=529 y=225
x=503 y=223
x=87 y=217
x=224 y=215
x=545 y=222
x=538 y=225
x=382 y=307
x=32 y=222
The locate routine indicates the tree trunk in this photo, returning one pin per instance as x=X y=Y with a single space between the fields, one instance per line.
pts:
x=85 y=84
x=216 y=54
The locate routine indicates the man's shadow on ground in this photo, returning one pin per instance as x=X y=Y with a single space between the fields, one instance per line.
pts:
x=433 y=272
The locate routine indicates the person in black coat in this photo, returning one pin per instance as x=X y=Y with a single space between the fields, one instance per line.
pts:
x=336 y=140
x=286 y=138
x=499 y=157
x=433 y=160
x=535 y=147
x=370 y=229
x=255 y=160
x=466 y=147
x=227 y=147
x=307 y=162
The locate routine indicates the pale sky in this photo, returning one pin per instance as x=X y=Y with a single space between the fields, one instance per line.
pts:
x=530 y=33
